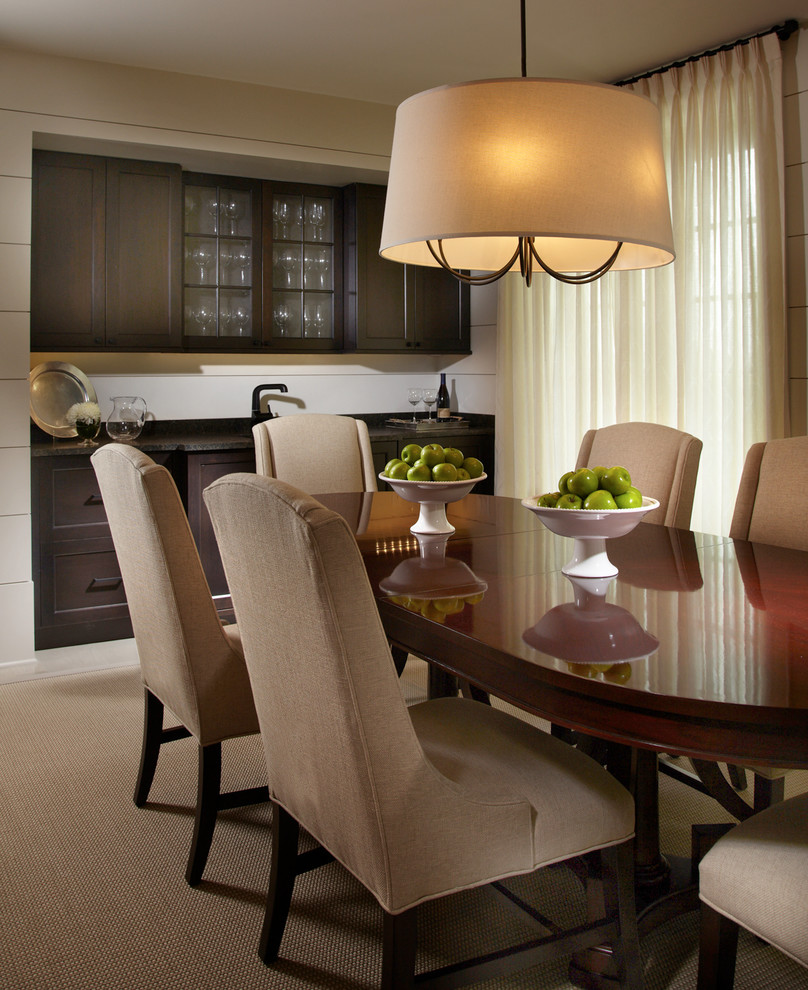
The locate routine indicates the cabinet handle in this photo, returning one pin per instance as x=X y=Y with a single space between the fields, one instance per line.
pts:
x=94 y=500
x=105 y=584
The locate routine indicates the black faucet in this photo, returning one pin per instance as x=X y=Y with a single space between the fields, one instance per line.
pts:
x=257 y=415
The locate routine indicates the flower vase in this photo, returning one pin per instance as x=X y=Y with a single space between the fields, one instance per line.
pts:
x=88 y=431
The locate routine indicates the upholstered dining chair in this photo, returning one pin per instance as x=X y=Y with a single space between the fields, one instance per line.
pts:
x=189 y=662
x=663 y=463
x=317 y=452
x=415 y=802
x=754 y=877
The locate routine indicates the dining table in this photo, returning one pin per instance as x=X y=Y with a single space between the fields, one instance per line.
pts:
x=698 y=647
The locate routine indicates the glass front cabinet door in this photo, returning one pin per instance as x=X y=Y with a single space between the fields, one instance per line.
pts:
x=222 y=262
x=302 y=245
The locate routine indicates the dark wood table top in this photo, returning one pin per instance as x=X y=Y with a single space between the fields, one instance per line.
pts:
x=698 y=647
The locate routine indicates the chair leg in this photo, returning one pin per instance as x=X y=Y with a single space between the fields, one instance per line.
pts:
x=283 y=870
x=768 y=791
x=617 y=866
x=150 y=748
x=399 y=658
x=398 y=954
x=737 y=776
x=207 y=805
x=718 y=947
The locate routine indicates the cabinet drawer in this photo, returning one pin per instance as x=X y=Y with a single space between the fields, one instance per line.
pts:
x=84 y=581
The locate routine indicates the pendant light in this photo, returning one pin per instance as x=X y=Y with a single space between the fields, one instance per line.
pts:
x=500 y=175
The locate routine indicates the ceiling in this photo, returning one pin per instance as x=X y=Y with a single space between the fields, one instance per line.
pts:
x=385 y=50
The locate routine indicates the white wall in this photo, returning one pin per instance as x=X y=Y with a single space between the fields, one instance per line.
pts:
x=205 y=125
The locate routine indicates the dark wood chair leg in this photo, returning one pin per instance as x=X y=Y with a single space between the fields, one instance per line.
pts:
x=718 y=947
x=617 y=867
x=399 y=658
x=737 y=776
x=150 y=748
x=283 y=870
x=398 y=954
x=207 y=806
x=768 y=791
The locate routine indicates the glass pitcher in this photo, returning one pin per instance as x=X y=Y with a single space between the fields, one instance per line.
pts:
x=127 y=417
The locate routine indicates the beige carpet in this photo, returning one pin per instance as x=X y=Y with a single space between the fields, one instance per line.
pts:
x=93 y=895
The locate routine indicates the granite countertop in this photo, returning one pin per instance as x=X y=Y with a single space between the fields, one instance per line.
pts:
x=232 y=434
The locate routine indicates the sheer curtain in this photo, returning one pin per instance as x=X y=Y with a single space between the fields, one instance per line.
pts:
x=698 y=345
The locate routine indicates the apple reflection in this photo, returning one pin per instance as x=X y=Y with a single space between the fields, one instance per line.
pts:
x=592 y=635
x=432 y=583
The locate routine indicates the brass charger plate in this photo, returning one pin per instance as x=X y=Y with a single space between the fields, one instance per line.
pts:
x=55 y=386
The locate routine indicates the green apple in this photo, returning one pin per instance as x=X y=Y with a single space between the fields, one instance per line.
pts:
x=583 y=482
x=600 y=500
x=398 y=471
x=411 y=453
x=444 y=472
x=419 y=472
x=629 y=500
x=562 y=482
x=548 y=500
x=569 y=501
x=388 y=467
x=432 y=454
x=453 y=456
x=473 y=466
x=599 y=470
x=618 y=672
x=616 y=480
x=463 y=475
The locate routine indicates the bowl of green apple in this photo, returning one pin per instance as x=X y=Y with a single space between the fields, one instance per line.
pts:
x=590 y=506
x=432 y=476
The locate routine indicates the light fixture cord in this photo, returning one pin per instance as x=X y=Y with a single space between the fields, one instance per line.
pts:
x=524 y=41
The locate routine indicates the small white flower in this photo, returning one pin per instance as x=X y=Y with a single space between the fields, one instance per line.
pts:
x=83 y=412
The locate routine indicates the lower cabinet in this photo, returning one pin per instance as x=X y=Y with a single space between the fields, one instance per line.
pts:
x=78 y=590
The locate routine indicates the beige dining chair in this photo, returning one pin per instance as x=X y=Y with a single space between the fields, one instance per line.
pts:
x=419 y=802
x=317 y=452
x=769 y=509
x=663 y=463
x=754 y=878
x=190 y=663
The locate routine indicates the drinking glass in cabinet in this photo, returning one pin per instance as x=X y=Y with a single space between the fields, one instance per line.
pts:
x=234 y=208
x=317 y=268
x=286 y=267
x=318 y=220
x=200 y=261
x=317 y=319
x=286 y=315
x=201 y=210
x=235 y=315
x=286 y=217
x=235 y=262
x=200 y=314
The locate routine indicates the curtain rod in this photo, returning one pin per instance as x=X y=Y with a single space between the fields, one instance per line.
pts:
x=783 y=32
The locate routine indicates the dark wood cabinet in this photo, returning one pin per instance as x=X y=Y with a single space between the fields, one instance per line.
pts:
x=302 y=251
x=222 y=263
x=394 y=307
x=202 y=469
x=106 y=254
x=78 y=590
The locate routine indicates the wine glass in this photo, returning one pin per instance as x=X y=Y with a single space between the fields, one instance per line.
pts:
x=240 y=261
x=233 y=212
x=203 y=257
x=430 y=398
x=282 y=318
x=322 y=263
x=204 y=316
x=414 y=396
x=317 y=220
x=280 y=214
x=287 y=261
x=315 y=321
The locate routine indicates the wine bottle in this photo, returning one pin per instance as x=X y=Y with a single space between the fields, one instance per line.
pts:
x=444 y=412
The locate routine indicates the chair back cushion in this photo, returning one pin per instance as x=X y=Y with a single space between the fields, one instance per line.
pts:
x=663 y=463
x=316 y=452
x=342 y=754
x=770 y=506
x=186 y=658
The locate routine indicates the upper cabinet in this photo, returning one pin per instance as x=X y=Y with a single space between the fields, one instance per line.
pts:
x=131 y=255
x=221 y=263
x=302 y=247
x=106 y=254
x=395 y=307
